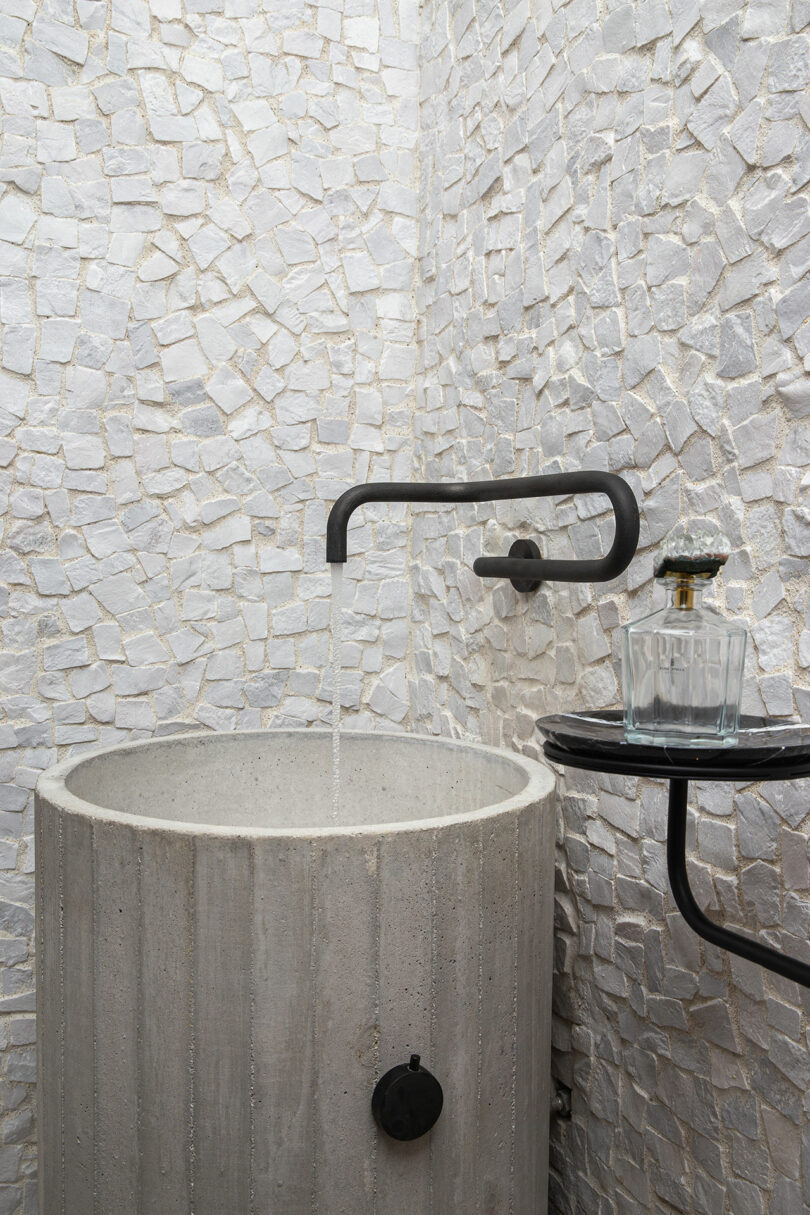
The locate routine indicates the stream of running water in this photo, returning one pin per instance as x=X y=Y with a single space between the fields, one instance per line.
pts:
x=337 y=635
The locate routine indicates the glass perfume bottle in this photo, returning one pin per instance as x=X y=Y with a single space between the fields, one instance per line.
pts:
x=683 y=665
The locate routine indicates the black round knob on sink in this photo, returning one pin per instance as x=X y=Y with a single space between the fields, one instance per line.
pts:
x=407 y=1100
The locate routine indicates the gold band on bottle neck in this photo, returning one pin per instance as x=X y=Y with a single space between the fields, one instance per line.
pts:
x=685 y=595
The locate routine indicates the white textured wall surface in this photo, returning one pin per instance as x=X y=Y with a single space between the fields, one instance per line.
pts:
x=616 y=235
x=208 y=251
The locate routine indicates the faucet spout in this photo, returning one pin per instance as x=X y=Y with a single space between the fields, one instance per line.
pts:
x=517 y=568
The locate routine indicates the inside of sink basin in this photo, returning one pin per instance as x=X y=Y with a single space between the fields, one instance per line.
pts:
x=282 y=780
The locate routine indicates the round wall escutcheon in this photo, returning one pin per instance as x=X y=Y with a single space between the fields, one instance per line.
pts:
x=528 y=549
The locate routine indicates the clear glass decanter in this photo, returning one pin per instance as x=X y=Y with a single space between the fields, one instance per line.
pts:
x=683 y=665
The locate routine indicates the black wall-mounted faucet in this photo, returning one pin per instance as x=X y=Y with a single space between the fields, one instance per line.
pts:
x=524 y=566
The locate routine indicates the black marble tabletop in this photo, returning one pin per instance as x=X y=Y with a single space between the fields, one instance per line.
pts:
x=766 y=749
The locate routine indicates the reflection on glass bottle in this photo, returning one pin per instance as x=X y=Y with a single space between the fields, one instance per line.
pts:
x=683 y=665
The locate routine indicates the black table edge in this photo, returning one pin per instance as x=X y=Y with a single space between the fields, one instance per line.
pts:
x=779 y=767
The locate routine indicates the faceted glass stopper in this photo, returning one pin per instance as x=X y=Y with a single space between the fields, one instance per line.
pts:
x=697 y=546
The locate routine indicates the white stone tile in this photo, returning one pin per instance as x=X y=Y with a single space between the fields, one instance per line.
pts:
x=61 y=38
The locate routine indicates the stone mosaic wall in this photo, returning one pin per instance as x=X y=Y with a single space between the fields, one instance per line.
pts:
x=615 y=242
x=209 y=242
x=208 y=236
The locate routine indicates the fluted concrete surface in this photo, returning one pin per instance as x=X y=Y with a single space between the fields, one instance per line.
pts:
x=221 y=984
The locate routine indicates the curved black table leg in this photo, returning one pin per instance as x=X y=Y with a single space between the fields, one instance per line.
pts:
x=763 y=955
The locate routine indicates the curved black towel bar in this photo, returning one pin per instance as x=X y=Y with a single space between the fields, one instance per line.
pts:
x=602 y=569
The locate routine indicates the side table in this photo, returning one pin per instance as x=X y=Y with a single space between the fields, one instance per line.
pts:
x=766 y=749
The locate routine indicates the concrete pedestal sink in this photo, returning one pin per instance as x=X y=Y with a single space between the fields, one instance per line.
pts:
x=224 y=973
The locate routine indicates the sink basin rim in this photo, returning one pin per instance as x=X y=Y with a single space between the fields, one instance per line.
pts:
x=52 y=787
